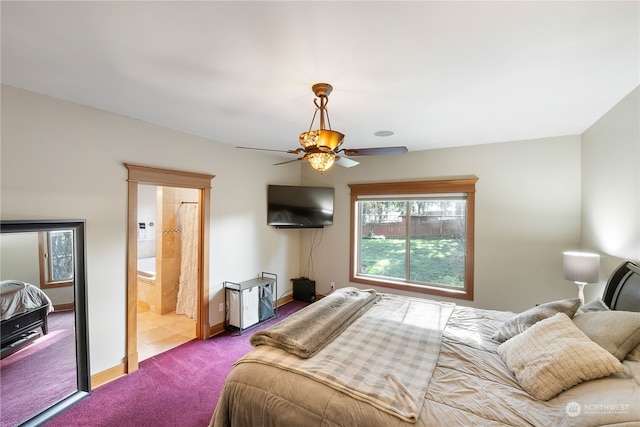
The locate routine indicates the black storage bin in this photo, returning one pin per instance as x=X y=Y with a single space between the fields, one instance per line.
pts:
x=304 y=289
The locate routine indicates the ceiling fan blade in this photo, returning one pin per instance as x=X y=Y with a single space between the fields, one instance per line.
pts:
x=378 y=151
x=346 y=163
x=297 y=151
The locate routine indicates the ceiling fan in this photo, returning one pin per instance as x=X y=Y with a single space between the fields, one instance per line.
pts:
x=321 y=147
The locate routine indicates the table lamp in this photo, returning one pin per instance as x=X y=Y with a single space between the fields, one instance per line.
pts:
x=581 y=268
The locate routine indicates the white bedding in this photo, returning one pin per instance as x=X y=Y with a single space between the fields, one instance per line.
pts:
x=471 y=378
x=471 y=385
x=17 y=297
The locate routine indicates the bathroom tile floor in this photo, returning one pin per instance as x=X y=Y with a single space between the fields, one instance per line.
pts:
x=159 y=333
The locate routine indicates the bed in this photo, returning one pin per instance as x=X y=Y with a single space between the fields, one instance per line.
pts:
x=438 y=364
x=23 y=308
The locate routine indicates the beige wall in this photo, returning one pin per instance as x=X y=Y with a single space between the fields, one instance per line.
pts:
x=611 y=187
x=63 y=160
x=527 y=213
x=20 y=258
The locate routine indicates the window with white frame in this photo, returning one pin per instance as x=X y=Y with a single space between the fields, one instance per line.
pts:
x=416 y=236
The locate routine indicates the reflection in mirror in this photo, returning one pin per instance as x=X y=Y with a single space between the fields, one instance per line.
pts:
x=44 y=354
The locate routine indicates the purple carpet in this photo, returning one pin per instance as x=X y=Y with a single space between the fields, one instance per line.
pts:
x=45 y=368
x=177 y=388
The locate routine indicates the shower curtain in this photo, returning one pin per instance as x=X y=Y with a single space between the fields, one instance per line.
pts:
x=188 y=286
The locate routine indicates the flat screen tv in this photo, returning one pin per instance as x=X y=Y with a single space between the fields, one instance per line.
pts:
x=292 y=206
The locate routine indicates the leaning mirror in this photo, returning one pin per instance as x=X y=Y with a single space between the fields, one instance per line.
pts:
x=45 y=359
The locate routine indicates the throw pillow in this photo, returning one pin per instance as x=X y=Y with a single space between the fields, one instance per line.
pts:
x=634 y=355
x=521 y=322
x=595 y=305
x=618 y=332
x=554 y=355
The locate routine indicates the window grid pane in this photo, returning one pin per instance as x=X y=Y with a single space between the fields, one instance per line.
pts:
x=382 y=238
x=438 y=243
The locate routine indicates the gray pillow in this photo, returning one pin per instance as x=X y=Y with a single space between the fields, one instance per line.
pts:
x=526 y=319
x=595 y=305
x=634 y=355
x=618 y=332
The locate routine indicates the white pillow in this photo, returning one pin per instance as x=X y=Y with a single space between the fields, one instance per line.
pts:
x=554 y=355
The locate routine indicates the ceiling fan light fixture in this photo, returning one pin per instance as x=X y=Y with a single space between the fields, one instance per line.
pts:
x=329 y=140
x=323 y=139
x=310 y=138
x=321 y=146
x=321 y=161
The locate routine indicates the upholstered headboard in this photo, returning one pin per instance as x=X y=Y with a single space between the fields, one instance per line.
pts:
x=623 y=288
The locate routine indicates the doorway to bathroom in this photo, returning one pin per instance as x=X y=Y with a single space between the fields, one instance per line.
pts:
x=167 y=260
x=166 y=268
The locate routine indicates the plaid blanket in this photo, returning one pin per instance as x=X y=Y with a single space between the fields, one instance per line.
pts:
x=385 y=358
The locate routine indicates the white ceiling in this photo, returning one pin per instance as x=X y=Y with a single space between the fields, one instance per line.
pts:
x=438 y=74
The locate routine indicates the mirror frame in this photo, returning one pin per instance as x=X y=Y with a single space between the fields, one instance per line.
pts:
x=80 y=306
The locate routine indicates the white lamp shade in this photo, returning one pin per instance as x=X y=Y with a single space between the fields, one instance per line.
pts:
x=581 y=267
